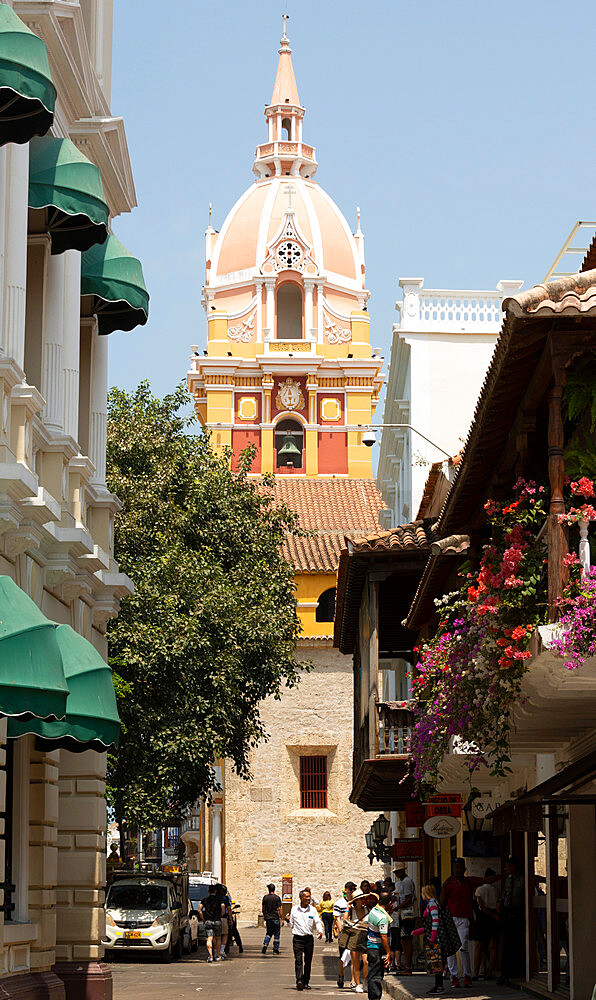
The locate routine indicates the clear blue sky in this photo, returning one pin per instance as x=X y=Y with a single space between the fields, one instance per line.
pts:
x=464 y=130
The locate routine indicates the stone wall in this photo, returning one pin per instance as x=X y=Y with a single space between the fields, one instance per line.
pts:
x=267 y=834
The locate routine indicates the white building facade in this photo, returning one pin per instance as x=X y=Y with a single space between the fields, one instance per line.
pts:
x=62 y=278
x=441 y=348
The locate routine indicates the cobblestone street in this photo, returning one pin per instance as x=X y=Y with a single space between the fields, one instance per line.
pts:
x=253 y=976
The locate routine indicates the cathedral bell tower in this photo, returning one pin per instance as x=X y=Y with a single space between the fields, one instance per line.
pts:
x=288 y=366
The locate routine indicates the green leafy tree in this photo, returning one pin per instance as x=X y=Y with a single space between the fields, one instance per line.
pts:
x=212 y=626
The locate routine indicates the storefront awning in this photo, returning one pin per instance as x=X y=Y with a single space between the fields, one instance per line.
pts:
x=115 y=279
x=63 y=181
x=32 y=681
x=27 y=93
x=92 y=721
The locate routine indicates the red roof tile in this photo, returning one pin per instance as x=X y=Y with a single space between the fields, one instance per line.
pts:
x=332 y=508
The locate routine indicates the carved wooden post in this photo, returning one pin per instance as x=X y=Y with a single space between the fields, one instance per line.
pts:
x=558 y=534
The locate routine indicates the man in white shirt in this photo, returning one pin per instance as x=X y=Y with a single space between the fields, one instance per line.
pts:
x=303 y=920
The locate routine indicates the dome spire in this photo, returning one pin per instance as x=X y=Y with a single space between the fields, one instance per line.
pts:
x=285 y=90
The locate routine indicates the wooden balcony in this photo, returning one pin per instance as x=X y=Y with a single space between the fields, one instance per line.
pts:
x=381 y=763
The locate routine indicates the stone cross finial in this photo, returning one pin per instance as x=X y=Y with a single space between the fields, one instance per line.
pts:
x=290 y=191
x=286 y=18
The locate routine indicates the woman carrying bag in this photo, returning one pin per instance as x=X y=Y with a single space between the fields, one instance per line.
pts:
x=441 y=938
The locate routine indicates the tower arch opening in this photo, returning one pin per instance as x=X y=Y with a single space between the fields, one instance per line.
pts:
x=289 y=445
x=286 y=127
x=289 y=312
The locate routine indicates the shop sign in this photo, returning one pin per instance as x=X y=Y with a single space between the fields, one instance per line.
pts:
x=444 y=805
x=484 y=807
x=442 y=827
x=415 y=813
x=407 y=849
x=287 y=888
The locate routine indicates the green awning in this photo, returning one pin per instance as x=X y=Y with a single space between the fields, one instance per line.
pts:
x=32 y=681
x=64 y=181
x=115 y=280
x=92 y=721
x=27 y=94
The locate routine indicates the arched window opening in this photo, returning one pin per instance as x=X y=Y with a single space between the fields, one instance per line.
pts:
x=289 y=444
x=326 y=606
x=289 y=312
x=286 y=127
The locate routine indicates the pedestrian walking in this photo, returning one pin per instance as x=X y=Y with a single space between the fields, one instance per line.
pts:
x=325 y=909
x=340 y=910
x=377 y=946
x=272 y=915
x=303 y=921
x=512 y=913
x=211 y=910
x=226 y=920
x=487 y=928
x=457 y=896
x=406 y=895
x=358 y=918
x=435 y=958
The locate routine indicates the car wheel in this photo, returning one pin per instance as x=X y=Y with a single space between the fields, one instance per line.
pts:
x=177 y=950
x=167 y=955
x=187 y=944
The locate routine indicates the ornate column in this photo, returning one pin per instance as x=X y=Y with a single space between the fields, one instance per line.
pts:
x=269 y=331
x=266 y=428
x=98 y=418
x=320 y=324
x=309 y=330
x=13 y=331
x=312 y=435
x=52 y=372
x=71 y=342
x=216 y=839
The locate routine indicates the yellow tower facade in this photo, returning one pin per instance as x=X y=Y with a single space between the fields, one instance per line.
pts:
x=288 y=366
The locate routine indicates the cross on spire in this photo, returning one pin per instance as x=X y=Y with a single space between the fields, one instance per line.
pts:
x=285 y=18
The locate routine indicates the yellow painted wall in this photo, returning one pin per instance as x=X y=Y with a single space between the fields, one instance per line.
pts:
x=309 y=587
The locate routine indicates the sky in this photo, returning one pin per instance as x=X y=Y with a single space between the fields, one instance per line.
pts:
x=463 y=130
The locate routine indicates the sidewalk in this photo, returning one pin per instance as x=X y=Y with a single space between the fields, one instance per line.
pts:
x=418 y=985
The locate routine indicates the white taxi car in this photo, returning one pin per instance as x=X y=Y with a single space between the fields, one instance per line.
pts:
x=145 y=913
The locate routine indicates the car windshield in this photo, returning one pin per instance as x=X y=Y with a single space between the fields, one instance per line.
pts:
x=198 y=892
x=137 y=897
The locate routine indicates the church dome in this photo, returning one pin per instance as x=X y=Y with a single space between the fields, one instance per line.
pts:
x=256 y=220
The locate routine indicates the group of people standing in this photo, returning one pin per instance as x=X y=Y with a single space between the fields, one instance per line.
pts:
x=376 y=925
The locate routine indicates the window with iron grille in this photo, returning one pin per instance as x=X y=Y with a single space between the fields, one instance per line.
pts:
x=313 y=782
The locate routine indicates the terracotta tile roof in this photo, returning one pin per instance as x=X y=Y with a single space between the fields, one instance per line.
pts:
x=405 y=547
x=333 y=508
x=565 y=297
x=417 y=535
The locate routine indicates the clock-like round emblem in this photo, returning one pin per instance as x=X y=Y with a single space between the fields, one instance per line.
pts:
x=289 y=396
x=289 y=253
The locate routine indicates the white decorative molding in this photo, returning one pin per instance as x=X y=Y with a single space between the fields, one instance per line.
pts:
x=289 y=251
x=336 y=334
x=242 y=333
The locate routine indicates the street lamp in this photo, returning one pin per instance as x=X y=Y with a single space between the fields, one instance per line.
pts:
x=369 y=437
x=375 y=840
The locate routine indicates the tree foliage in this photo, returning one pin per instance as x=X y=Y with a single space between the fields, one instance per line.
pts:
x=212 y=626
